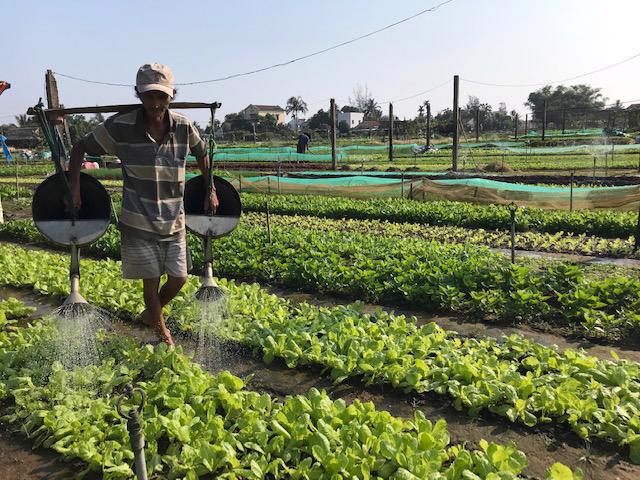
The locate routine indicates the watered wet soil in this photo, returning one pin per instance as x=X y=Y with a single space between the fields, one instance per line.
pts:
x=543 y=446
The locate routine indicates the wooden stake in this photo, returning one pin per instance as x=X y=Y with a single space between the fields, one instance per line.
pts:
x=428 y=124
x=391 y=132
x=334 y=159
x=454 y=150
x=571 y=193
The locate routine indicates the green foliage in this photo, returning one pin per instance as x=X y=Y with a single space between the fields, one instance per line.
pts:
x=607 y=224
x=196 y=424
x=425 y=274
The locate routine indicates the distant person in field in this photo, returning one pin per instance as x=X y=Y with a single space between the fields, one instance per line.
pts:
x=303 y=143
x=152 y=143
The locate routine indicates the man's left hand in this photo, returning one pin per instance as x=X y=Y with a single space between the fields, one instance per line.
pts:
x=211 y=203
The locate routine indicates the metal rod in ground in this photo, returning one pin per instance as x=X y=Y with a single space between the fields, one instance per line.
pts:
x=571 y=193
x=637 y=235
x=266 y=207
x=15 y=161
x=513 y=209
x=136 y=432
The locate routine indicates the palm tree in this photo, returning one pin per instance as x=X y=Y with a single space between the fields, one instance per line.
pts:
x=24 y=120
x=372 y=110
x=296 y=105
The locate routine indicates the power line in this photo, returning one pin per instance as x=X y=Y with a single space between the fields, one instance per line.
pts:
x=420 y=93
x=282 y=64
x=488 y=84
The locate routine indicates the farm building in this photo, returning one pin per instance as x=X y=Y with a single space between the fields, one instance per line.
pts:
x=252 y=112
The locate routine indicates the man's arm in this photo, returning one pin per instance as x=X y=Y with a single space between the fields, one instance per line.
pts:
x=211 y=202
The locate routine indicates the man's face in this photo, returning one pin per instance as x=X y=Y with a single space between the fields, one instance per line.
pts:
x=155 y=103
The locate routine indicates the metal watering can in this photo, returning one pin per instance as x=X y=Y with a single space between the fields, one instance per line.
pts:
x=208 y=226
x=61 y=227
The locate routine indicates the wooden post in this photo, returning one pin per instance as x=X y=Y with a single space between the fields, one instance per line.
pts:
x=278 y=177
x=390 y=132
x=454 y=150
x=53 y=101
x=526 y=123
x=516 y=127
x=269 y=185
x=402 y=185
x=594 y=167
x=477 y=125
x=334 y=158
x=606 y=162
x=613 y=145
x=240 y=183
x=544 y=118
x=571 y=193
x=428 y=124
x=564 y=114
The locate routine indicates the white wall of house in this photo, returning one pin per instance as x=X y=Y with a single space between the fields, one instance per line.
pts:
x=352 y=119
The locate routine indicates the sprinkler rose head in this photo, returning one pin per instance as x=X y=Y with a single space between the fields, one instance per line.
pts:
x=210 y=294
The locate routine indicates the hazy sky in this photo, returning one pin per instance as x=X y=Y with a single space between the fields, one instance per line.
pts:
x=496 y=41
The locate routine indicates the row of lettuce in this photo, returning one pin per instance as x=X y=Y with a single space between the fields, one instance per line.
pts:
x=531 y=241
x=520 y=380
x=607 y=224
x=201 y=425
x=429 y=275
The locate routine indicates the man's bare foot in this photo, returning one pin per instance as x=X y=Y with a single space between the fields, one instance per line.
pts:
x=163 y=332
x=145 y=318
x=165 y=335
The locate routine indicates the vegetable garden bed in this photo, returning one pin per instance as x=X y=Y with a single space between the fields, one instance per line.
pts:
x=517 y=379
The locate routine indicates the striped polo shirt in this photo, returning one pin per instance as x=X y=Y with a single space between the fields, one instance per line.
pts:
x=153 y=173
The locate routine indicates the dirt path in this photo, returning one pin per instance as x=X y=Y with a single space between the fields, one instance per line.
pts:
x=542 y=446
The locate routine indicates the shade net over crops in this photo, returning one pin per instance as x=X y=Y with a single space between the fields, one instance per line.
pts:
x=472 y=190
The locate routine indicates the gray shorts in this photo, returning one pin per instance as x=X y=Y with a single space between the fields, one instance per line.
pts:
x=142 y=258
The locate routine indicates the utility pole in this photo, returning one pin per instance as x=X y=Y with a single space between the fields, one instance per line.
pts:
x=515 y=125
x=564 y=116
x=454 y=150
x=526 y=123
x=477 y=125
x=428 y=124
x=390 y=132
x=544 y=118
x=334 y=159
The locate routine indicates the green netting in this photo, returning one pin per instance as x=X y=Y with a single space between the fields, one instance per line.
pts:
x=472 y=190
x=519 y=187
x=370 y=173
x=567 y=133
x=446 y=146
x=594 y=149
x=357 y=180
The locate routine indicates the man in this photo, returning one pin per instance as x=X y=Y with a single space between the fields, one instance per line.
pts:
x=303 y=143
x=152 y=144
